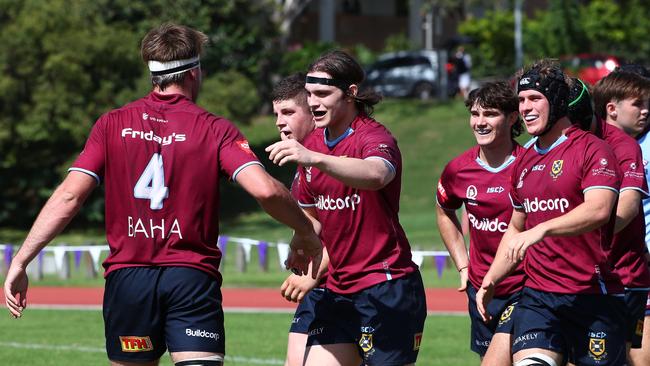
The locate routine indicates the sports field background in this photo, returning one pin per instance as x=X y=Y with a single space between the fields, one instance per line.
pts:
x=428 y=134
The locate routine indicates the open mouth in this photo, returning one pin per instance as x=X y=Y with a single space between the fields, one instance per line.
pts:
x=531 y=117
x=318 y=114
x=483 y=132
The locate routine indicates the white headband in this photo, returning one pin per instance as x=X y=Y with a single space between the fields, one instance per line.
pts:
x=173 y=67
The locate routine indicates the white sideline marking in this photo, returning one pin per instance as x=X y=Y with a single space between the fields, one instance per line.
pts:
x=249 y=360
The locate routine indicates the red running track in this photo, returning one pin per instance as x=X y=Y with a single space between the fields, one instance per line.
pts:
x=439 y=300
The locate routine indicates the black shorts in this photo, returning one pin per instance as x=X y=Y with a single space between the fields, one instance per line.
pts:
x=635 y=304
x=305 y=312
x=500 y=308
x=385 y=321
x=585 y=329
x=148 y=310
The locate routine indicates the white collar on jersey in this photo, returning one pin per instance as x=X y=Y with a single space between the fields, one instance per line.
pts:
x=560 y=140
x=498 y=169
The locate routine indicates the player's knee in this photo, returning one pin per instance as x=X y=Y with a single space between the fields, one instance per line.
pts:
x=536 y=359
x=215 y=360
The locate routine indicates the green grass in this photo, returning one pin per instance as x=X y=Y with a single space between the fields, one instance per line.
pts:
x=76 y=338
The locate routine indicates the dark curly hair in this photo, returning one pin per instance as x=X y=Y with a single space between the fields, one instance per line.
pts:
x=499 y=95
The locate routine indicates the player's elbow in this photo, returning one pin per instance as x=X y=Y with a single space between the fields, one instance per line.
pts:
x=267 y=191
x=601 y=215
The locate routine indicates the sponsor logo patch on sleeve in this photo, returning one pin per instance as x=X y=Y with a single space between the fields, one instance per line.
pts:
x=243 y=144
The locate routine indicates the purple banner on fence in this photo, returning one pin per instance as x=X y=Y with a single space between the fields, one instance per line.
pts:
x=223 y=244
x=77 y=258
x=262 y=250
x=9 y=252
x=441 y=260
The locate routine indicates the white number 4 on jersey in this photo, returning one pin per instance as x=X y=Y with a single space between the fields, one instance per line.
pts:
x=151 y=185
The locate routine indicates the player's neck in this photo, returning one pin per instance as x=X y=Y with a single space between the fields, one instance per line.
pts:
x=546 y=140
x=336 y=130
x=173 y=89
x=495 y=155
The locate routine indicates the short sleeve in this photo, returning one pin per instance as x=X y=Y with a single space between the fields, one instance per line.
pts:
x=631 y=165
x=92 y=158
x=235 y=153
x=381 y=146
x=515 y=184
x=600 y=168
x=445 y=192
x=300 y=188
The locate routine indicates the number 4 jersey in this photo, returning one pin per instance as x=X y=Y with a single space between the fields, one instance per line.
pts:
x=161 y=158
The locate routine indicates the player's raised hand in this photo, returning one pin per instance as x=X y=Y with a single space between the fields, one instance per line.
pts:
x=519 y=243
x=295 y=287
x=289 y=150
x=483 y=297
x=15 y=289
x=306 y=248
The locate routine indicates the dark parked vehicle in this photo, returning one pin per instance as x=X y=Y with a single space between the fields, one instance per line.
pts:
x=405 y=74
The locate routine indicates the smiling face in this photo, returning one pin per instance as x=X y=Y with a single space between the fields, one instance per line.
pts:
x=293 y=119
x=330 y=106
x=534 y=109
x=490 y=125
x=630 y=114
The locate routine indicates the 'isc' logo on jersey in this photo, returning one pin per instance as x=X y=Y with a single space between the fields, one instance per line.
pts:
x=136 y=344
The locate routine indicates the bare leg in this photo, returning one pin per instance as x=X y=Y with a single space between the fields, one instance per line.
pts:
x=498 y=354
x=341 y=354
x=296 y=349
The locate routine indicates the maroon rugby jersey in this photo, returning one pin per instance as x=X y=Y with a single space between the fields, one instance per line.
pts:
x=361 y=230
x=549 y=183
x=628 y=246
x=161 y=158
x=484 y=191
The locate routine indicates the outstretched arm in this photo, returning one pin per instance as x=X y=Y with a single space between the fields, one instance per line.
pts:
x=62 y=206
x=371 y=173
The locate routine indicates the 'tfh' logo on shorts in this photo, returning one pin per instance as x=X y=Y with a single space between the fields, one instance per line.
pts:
x=135 y=344
x=201 y=333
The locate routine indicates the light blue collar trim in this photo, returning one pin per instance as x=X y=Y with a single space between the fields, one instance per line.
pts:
x=333 y=143
x=498 y=169
x=556 y=143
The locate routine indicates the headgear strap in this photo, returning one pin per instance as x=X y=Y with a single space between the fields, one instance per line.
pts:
x=580 y=111
x=158 y=68
x=343 y=85
x=553 y=87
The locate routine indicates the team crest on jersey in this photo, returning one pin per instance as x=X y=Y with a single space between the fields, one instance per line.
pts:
x=308 y=174
x=471 y=194
x=506 y=314
x=556 y=168
x=633 y=165
x=417 y=340
x=366 y=342
x=520 y=184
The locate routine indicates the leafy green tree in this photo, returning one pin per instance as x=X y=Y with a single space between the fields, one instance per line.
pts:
x=493 y=47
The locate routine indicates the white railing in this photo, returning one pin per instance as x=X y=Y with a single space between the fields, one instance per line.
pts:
x=61 y=253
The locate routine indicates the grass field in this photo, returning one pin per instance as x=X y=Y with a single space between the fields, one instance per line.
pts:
x=76 y=338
